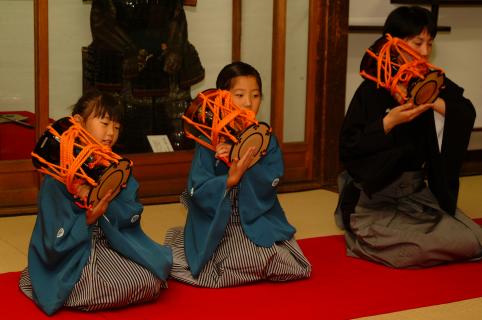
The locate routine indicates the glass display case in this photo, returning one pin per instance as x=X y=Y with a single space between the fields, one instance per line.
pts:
x=55 y=46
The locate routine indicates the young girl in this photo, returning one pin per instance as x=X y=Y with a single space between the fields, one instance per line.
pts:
x=390 y=215
x=97 y=258
x=236 y=231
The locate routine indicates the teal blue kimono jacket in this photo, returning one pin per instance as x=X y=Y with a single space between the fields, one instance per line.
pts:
x=262 y=218
x=61 y=241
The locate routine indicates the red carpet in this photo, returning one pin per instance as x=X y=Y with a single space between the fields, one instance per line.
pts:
x=340 y=288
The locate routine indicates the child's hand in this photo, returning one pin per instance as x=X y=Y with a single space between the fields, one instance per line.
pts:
x=82 y=191
x=239 y=167
x=223 y=150
x=96 y=212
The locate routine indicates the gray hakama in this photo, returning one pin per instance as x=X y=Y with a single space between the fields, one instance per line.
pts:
x=237 y=260
x=403 y=226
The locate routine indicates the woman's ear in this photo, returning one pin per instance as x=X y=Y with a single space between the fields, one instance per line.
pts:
x=78 y=118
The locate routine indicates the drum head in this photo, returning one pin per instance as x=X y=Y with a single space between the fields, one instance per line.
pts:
x=256 y=135
x=428 y=89
x=113 y=178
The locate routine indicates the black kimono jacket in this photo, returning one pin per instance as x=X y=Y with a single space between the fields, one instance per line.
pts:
x=375 y=159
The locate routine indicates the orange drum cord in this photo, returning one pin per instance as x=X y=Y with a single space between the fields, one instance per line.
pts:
x=226 y=119
x=409 y=65
x=69 y=171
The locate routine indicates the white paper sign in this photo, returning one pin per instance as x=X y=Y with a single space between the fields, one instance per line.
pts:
x=160 y=143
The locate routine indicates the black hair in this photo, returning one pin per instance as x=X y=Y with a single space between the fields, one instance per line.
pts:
x=99 y=104
x=237 y=69
x=407 y=22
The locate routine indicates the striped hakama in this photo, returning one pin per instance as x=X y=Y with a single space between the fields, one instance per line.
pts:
x=403 y=226
x=108 y=280
x=237 y=260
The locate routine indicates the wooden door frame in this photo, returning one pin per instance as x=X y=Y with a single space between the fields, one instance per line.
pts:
x=329 y=55
x=19 y=181
x=313 y=163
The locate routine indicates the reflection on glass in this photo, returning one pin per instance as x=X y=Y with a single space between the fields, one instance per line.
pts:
x=257 y=29
x=256 y=43
x=17 y=87
x=295 y=70
x=140 y=50
x=69 y=30
x=136 y=49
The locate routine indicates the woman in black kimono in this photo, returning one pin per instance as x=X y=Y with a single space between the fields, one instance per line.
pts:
x=390 y=151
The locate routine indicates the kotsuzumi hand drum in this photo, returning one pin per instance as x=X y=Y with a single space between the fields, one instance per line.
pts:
x=213 y=114
x=67 y=152
x=395 y=66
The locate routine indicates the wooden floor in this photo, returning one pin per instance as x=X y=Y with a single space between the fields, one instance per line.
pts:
x=311 y=212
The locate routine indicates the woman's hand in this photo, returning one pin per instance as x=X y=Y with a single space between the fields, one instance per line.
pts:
x=96 y=212
x=402 y=114
x=239 y=167
x=439 y=106
x=401 y=94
